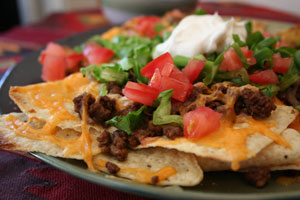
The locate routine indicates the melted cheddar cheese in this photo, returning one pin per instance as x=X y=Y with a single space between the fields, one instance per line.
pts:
x=232 y=139
x=144 y=175
x=53 y=96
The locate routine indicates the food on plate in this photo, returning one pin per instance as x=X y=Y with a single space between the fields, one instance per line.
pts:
x=159 y=100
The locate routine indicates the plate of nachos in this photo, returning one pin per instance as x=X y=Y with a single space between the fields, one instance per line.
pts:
x=184 y=105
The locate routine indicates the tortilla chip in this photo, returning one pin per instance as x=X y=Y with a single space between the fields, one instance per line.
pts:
x=273 y=156
x=188 y=172
x=23 y=99
x=154 y=159
x=282 y=116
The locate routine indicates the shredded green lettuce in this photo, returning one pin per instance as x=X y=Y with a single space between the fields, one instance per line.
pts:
x=129 y=122
x=103 y=90
x=269 y=90
x=106 y=73
x=162 y=115
x=239 y=76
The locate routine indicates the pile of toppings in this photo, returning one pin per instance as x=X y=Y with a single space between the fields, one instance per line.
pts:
x=175 y=95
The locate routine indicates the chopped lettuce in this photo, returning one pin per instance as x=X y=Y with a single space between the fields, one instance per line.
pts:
x=162 y=115
x=269 y=90
x=129 y=122
x=239 y=76
x=103 y=90
x=241 y=55
x=106 y=73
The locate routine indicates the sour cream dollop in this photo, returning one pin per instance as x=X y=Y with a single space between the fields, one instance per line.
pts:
x=201 y=34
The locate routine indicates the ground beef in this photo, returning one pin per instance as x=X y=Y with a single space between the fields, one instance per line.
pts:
x=115 y=145
x=215 y=105
x=158 y=130
x=78 y=102
x=114 y=88
x=254 y=103
x=118 y=143
x=104 y=142
x=132 y=107
x=119 y=153
x=112 y=168
x=154 y=180
x=172 y=132
x=258 y=178
x=175 y=109
x=102 y=110
x=197 y=89
x=98 y=111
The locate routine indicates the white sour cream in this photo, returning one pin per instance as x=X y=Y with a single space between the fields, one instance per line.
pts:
x=201 y=34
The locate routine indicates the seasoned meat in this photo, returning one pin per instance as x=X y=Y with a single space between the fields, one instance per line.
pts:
x=172 y=132
x=102 y=110
x=119 y=153
x=78 y=101
x=215 y=105
x=198 y=88
x=112 y=168
x=154 y=128
x=133 y=107
x=141 y=134
x=115 y=146
x=291 y=96
x=154 y=180
x=254 y=103
x=104 y=142
x=133 y=141
x=114 y=88
x=258 y=178
x=119 y=139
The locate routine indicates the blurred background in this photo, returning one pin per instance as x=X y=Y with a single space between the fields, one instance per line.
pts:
x=27 y=25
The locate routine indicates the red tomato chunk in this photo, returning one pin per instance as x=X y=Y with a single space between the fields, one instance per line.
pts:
x=56 y=60
x=95 y=54
x=193 y=69
x=146 y=25
x=264 y=77
x=140 y=93
x=201 y=122
x=232 y=62
x=281 y=65
x=159 y=62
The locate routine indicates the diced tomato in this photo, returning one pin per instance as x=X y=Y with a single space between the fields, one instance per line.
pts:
x=140 y=93
x=201 y=122
x=170 y=77
x=249 y=55
x=73 y=60
x=281 y=44
x=281 y=65
x=232 y=62
x=155 y=81
x=159 y=62
x=267 y=34
x=96 y=54
x=55 y=49
x=53 y=68
x=264 y=77
x=52 y=49
x=193 y=69
x=179 y=75
x=180 y=89
x=146 y=25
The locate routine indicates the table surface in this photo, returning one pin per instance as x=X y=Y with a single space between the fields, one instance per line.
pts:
x=24 y=177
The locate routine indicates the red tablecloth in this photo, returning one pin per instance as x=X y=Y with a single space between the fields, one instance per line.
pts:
x=22 y=177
